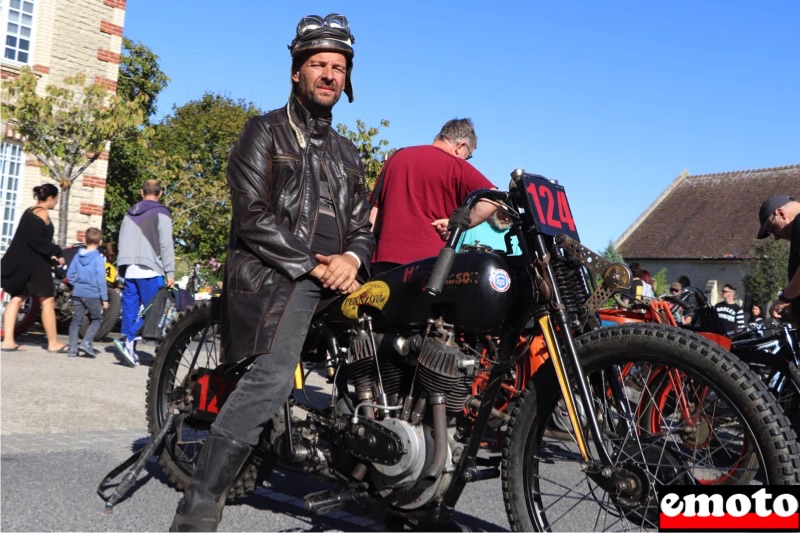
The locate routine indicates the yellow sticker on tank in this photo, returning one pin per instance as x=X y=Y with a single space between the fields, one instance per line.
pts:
x=373 y=294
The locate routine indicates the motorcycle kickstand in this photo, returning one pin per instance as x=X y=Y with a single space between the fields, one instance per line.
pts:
x=138 y=459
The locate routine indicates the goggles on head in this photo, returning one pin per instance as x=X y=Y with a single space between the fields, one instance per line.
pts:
x=314 y=22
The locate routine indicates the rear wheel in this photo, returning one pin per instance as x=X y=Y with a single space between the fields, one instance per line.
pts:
x=186 y=382
x=722 y=427
x=110 y=317
x=26 y=317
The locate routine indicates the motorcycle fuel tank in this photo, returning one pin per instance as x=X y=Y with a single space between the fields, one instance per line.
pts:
x=476 y=295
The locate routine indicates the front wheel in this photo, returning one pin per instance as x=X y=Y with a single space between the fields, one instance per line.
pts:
x=187 y=383
x=686 y=413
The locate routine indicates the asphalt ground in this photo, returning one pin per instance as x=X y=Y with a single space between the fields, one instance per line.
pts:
x=66 y=422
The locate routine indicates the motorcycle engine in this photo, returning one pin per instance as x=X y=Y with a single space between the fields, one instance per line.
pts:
x=393 y=427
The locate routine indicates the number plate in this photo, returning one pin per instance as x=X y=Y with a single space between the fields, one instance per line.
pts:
x=211 y=390
x=550 y=207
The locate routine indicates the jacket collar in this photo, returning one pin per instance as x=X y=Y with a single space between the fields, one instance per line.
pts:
x=318 y=128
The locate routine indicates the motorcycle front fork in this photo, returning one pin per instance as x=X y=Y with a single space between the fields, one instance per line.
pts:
x=560 y=362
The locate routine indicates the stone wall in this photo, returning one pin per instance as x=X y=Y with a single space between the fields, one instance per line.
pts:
x=72 y=36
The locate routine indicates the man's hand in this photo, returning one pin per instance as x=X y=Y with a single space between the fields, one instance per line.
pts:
x=170 y=282
x=105 y=305
x=441 y=228
x=337 y=272
x=779 y=310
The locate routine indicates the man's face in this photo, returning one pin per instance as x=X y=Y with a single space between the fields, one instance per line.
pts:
x=320 y=81
x=780 y=224
x=728 y=295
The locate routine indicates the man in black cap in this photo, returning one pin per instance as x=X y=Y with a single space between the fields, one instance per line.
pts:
x=300 y=228
x=778 y=217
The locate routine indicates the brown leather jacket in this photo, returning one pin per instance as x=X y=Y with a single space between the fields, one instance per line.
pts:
x=274 y=186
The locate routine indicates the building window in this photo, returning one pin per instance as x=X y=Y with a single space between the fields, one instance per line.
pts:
x=18 y=20
x=12 y=161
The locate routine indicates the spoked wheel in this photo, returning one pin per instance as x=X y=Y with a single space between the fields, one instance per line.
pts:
x=674 y=409
x=188 y=382
x=782 y=379
x=26 y=317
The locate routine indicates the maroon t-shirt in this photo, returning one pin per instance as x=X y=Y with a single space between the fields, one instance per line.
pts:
x=421 y=184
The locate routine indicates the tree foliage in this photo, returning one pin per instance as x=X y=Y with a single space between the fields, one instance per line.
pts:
x=610 y=253
x=373 y=151
x=660 y=283
x=139 y=75
x=189 y=155
x=68 y=126
x=768 y=273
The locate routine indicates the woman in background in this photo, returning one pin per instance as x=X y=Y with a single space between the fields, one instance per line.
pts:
x=26 y=268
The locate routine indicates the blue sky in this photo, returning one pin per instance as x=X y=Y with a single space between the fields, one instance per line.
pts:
x=613 y=99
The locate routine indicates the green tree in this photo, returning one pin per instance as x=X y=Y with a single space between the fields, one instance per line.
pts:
x=660 y=283
x=372 y=150
x=139 y=75
x=768 y=260
x=68 y=127
x=610 y=253
x=189 y=154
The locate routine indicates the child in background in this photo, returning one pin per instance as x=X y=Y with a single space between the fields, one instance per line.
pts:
x=87 y=275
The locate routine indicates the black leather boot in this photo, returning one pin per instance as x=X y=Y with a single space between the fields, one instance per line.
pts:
x=219 y=464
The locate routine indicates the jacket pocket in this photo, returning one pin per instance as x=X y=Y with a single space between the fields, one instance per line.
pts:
x=286 y=175
x=356 y=184
x=247 y=273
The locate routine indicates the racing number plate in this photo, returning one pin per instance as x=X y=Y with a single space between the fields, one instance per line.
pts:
x=550 y=207
x=211 y=391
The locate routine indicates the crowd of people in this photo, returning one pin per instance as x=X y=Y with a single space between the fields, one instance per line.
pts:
x=303 y=227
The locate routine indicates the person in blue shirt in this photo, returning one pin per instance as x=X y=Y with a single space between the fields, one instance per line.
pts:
x=491 y=233
x=87 y=275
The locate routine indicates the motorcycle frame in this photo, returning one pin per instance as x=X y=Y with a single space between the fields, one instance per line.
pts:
x=553 y=321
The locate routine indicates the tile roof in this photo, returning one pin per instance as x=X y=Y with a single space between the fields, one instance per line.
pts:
x=711 y=216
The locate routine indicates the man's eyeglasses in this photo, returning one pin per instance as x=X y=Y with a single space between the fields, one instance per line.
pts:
x=469 y=155
x=768 y=227
x=314 y=22
x=674 y=291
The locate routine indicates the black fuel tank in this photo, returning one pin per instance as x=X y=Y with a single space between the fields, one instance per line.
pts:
x=476 y=295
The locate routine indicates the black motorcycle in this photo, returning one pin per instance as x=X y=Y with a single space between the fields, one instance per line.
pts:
x=773 y=352
x=605 y=420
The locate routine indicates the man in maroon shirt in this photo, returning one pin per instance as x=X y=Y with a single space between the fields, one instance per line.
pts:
x=422 y=185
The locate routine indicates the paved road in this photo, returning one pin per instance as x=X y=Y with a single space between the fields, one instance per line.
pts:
x=66 y=422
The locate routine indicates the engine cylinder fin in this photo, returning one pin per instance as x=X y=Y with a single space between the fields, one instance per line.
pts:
x=439 y=372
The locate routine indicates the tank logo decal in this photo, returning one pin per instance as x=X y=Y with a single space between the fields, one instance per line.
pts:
x=373 y=294
x=500 y=280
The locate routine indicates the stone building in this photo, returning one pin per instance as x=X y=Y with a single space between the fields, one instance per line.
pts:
x=56 y=38
x=702 y=228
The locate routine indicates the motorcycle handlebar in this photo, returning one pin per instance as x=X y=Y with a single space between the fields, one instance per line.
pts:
x=457 y=224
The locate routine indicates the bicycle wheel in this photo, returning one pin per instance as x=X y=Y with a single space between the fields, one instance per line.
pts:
x=651 y=385
x=187 y=382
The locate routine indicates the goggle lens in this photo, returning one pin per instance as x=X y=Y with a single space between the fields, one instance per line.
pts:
x=314 y=22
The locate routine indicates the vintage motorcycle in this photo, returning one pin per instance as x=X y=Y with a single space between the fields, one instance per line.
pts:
x=771 y=349
x=431 y=357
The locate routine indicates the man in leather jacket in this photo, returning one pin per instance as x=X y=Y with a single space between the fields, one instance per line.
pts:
x=300 y=228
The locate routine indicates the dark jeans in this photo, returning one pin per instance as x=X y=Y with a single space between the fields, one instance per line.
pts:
x=80 y=306
x=268 y=382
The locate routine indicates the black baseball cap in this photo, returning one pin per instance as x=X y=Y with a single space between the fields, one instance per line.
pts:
x=767 y=208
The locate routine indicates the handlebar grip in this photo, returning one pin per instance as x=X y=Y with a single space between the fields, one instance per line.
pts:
x=441 y=269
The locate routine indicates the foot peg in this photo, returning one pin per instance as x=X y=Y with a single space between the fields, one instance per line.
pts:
x=327 y=501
